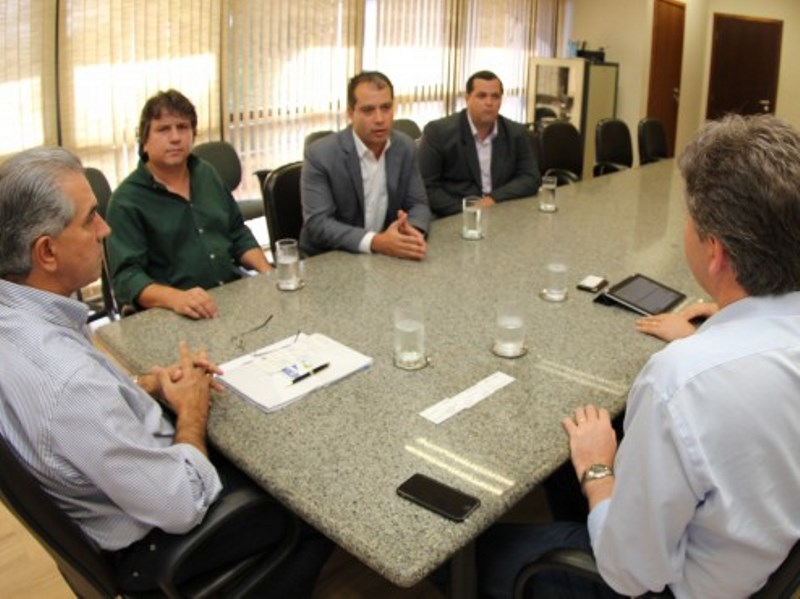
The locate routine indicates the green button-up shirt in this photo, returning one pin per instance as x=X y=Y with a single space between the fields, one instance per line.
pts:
x=159 y=237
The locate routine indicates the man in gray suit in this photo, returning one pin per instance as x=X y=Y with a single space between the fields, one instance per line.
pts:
x=361 y=189
x=477 y=152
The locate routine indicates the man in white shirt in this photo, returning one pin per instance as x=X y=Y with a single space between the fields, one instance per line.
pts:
x=361 y=189
x=701 y=495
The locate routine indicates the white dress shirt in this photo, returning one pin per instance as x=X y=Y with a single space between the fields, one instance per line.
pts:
x=376 y=197
x=708 y=474
x=96 y=441
x=484 y=149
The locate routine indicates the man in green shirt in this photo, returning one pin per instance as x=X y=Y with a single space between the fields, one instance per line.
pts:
x=176 y=229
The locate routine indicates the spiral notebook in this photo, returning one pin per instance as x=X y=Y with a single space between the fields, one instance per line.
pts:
x=276 y=375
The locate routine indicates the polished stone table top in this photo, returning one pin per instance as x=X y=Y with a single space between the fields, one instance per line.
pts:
x=337 y=456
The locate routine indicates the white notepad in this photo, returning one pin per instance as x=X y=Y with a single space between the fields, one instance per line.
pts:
x=278 y=374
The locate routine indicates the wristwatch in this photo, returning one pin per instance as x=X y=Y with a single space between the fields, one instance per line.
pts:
x=596 y=472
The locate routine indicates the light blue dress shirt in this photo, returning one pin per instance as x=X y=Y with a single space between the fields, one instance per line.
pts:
x=95 y=441
x=707 y=490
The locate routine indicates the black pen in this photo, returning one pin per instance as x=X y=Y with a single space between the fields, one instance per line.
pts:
x=314 y=370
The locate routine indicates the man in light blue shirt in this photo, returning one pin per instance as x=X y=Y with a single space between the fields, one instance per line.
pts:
x=133 y=481
x=701 y=495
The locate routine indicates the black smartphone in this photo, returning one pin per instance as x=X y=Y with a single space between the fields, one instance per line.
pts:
x=438 y=497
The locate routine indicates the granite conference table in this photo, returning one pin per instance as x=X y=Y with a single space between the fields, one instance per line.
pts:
x=337 y=456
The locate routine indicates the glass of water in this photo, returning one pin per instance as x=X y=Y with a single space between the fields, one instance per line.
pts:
x=471 y=218
x=409 y=335
x=547 y=194
x=287 y=257
x=555 y=285
x=509 y=336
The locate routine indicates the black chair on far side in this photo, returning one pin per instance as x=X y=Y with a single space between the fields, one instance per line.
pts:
x=652 y=141
x=87 y=570
x=102 y=191
x=561 y=152
x=282 y=203
x=408 y=127
x=782 y=584
x=613 y=147
x=315 y=135
x=223 y=157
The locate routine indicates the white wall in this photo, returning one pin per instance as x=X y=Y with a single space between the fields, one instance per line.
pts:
x=624 y=28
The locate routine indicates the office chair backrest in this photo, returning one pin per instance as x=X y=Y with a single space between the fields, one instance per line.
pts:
x=83 y=567
x=102 y=191
x=282 y=203
x=223 y=157
x=408 y=127
x=561 y=151
x=613 y=142
x=652 y=141
x=100 y=187
x=315 y=135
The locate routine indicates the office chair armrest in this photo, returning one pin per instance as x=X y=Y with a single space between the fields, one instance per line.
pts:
x=572 y=561
x=251 y=209
x=563 y=175
x=237 y=504
x=604 y=168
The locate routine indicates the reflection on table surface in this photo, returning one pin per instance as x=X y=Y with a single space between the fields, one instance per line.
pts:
x=337 y=456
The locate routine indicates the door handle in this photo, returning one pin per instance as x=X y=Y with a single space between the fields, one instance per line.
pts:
x=765 y=104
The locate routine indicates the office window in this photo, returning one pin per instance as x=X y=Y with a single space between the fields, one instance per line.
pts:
x=115 y=54
x=262 y=74
x=287 y=65
x=411 y=42
x=27 y=75
x=497 y=39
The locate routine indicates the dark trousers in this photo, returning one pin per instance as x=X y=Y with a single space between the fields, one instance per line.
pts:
x=137 y=565
x=505 y=549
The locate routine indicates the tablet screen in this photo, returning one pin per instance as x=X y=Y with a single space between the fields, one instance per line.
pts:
x=644 y=295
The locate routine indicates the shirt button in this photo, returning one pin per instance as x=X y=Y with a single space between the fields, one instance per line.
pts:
x=212 y=256
x=200 y=231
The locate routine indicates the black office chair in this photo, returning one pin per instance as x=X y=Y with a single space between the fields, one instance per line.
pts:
x=102 y=191
x=782 y=584
x=561 y=152
x=282 y=203
x=613 y=147
x=223 y=157
x=652 y=141
x=408 y=127
x=315 y=135
x=87 y=570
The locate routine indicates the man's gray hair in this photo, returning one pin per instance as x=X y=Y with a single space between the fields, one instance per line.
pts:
x=32 y=204
x=743 y=187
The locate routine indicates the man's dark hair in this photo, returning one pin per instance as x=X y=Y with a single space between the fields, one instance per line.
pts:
x=379 y=79
x=743 y=187
x=171 y=101
x=486 y=76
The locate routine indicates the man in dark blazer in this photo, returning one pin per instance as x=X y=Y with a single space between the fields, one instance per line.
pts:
x=477 y=152
x=361 y=189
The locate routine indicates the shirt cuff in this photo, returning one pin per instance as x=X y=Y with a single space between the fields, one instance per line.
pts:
x=597 y=518
x=365 y=245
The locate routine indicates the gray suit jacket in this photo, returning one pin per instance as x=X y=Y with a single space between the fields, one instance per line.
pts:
x=449 y=164
x=332 y=192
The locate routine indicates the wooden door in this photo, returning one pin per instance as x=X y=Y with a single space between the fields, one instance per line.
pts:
x=666 y=54
x=745 y=61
